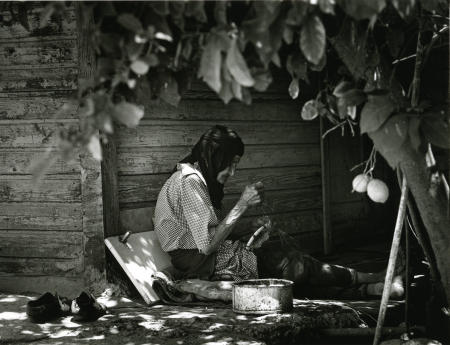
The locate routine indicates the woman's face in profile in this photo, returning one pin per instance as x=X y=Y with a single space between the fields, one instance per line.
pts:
x=223 y=175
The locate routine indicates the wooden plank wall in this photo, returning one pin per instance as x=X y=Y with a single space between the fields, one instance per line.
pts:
x=355 y=218
x=281 y=150
x=349 y=211
x=41 y=227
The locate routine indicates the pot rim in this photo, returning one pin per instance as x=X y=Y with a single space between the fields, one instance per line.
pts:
x=266 y=282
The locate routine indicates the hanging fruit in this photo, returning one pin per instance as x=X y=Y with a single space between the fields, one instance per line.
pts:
x=377 y=191
x=360 y=182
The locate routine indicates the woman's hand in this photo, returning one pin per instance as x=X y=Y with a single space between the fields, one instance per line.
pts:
x=260 y=221
x=252 y=194
x=261 y=234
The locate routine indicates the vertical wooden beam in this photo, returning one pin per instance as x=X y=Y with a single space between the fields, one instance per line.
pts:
x=91 y=184
x=325 y=172
x=110 y=187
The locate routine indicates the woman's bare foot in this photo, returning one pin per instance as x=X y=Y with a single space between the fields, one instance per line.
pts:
x=379 y=277
x=397 y=288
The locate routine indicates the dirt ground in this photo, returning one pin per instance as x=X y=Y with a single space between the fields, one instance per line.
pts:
x=130 y=323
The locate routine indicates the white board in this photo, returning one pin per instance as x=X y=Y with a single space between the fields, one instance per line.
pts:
x=140 y=257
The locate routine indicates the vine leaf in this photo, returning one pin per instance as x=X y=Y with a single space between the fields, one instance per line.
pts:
x=128 y=114
x=210 y=63
x=94 y=148
x=311 y=109
x=390 y=137
x=160 y=7
x=327 y=6
x=320 y=66
x=130 y=22
x=169 y=91
x=312 y=39
x=196 y=9
x=375 y=112
x=342 y=88
x=297 y=67
x=176 y=12
x=220 y=13
x=140 y=67
x=263 y=78
x=237 y=65
x=288 y=35
x=237 y=89
x=46 y=14
x=362 y=9
x=246 y=96
x=297 y=13
x=294 y=89
x=226 y=92
x=435 y=5
x=404 y=7
x=353 y=97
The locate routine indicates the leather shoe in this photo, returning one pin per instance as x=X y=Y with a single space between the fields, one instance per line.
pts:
x=86 y=308
x=47 y=307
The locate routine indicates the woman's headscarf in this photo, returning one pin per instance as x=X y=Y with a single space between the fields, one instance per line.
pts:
x=214 y=152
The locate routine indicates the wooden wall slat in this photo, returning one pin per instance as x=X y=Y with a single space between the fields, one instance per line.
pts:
x=38 y=105
x=18 y=161
x=214 y=110
x=51 y=189
x=38 y=79
x=38 y=54
x=162 y=160
x=295 y=222
x=345 y=153
x=140 y=220
x=40 y=216
x=40 y=223
x=28 y=267
x=55 y=210
x=277 y=201
x=280 y=83
x=15 y=31
x=41 y=244
x=277 y=90
x=139 y=188
x=188 y=132
x=307 y=242
x=70 y=285
x=281 y=201
x=29 y=135
x=354 y=220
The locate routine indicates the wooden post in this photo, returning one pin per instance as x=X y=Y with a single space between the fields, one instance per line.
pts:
x=110 y=188
x=325 y=172
x=392 y=259
x=91 y=184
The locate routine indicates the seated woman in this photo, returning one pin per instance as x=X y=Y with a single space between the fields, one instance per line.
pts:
x=190 y=229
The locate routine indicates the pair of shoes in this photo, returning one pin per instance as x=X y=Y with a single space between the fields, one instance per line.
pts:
x=49 y=307
x=86 y=308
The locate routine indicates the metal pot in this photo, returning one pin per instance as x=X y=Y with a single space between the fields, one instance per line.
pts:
x=262 y=296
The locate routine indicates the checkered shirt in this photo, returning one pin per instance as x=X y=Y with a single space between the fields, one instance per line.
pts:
x=185 y=219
